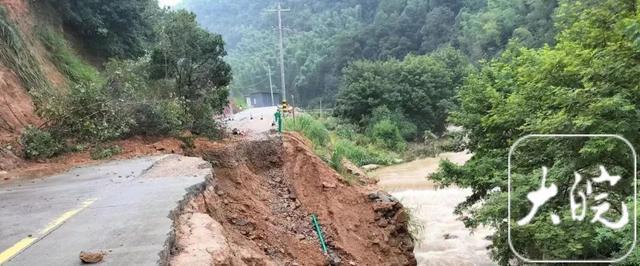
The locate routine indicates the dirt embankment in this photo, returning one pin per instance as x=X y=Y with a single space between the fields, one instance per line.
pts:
x=16 y=105
x=17 y=109
x=256 y=210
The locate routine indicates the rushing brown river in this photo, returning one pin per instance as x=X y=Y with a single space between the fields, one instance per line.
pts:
x=444 y=240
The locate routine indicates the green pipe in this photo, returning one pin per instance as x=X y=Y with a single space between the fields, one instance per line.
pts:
x=316 y=225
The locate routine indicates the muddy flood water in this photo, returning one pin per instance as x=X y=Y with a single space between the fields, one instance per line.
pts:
x=444 y=240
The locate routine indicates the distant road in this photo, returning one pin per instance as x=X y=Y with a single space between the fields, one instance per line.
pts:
x=120 y=207
x=253 y=121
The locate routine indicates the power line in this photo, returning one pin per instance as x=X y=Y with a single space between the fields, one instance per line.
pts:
x=252 y=86
x=273 y=102
x=281 y=43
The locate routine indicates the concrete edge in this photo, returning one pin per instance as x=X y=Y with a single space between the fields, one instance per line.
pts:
x=192 y=192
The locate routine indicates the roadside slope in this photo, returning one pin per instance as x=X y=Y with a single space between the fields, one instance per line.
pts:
x=259 y=203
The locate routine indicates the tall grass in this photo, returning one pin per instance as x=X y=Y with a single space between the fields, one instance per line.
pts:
x=65 y=59
x=334 y=147
x=310 y=128
x=360 y=155
x=415 y=226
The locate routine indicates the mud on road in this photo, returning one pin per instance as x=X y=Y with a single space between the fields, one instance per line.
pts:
x=256 y=207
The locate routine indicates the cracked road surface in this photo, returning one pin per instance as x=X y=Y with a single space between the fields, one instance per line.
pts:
x=121 y=207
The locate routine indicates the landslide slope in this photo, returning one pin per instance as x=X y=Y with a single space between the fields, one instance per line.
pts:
x=25 y=66
x=256 y=210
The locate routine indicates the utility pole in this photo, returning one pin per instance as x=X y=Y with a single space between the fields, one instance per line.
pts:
x=273 y=100
x=282 y=78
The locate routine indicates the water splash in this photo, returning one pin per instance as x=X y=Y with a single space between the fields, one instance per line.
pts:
x=444 y=240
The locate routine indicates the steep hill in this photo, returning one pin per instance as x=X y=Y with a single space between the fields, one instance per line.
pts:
x=25 y=67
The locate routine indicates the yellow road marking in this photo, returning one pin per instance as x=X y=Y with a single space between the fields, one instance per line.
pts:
x=65 y=216
x=15 y=249
x=28 y=241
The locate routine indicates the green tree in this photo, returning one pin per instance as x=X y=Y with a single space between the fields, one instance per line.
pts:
x=421 y=88
x=588 y=83
x=192 y=60
x=323 y=37
x=485 y=32
x=110 y=28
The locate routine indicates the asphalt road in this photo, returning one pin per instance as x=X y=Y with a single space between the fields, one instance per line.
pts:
x=120 y=207
x=255 y=121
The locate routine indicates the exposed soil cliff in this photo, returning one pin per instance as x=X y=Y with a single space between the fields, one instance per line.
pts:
x=22 y=57
x=256 y=210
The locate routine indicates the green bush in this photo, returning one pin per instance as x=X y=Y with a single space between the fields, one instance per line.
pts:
x=408 y=130
x=347 y=131
x=38 y=144
x=387 y=134
x=311 y=128
x=126 y=105
x=159 y=118
x=105 y=152
x=88 y=113
x=203 y=122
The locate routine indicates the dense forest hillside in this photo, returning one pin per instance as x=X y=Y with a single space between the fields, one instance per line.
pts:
x=323 y=37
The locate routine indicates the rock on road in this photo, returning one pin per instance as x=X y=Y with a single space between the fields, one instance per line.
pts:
x=121 y=208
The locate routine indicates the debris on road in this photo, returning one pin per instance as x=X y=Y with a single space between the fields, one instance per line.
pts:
x=91 y=257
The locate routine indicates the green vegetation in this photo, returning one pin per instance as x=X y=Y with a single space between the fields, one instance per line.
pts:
x=102 y=152
x=181 y=85
x=159 y=118
x=334 y=146
x=420 y=89
x=192 y=58
x=134 y=98
x=327 y=36
x=311 y=128
x=400 y=70
x=110 y=29
x=360 y=155
x=65 y=59
x=486 y=27
x=587 y=83
x=416 y=227
x=38 y=144
x=89 y=113
x=387 y=134
x=451 y=142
